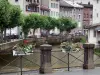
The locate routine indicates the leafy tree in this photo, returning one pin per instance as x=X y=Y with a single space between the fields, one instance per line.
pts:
x=15 y=17
x=66 y=24
x=34 y=21
x=9 y=16
x=4 y=15
x=49 y=23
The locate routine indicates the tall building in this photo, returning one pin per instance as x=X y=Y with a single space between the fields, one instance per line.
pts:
x=73 y=10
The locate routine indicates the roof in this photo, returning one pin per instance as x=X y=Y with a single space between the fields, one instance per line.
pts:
x=86 y=5
x=70 y=4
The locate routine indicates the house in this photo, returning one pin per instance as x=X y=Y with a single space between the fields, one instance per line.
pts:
x=74 y=11
x=96 y=8
x=87 y=16
x=94 y=34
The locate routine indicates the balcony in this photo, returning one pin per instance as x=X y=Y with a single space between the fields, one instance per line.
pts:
x=34 y=3
x=32 y=8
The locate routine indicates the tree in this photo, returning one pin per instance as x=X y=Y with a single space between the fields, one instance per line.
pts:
x=66 y=24
x=15 y=17
x=4 y=16
x=49 y=23
x=25 y=26
x=34 y=21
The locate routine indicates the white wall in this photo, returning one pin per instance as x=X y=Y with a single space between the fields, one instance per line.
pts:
x=91 y=38
x=96 y=10
x=54 y=9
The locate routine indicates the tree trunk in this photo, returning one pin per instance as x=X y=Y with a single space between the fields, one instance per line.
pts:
x=10 y=34
x=1 y=36
x=5 y=35
x=33 y=32
x=47 y=34
x=10 y=31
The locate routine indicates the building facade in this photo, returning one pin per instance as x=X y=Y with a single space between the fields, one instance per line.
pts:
x=41 y=7
x=87 y=14
x=74 y=11
x=96 y=8
x=53 y=6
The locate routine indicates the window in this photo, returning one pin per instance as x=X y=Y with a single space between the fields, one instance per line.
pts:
x=51 y=13
x=74 y=16
x=79 y=16
x=37 y=1
x=54 y=13
x=52 y=5
x=97 y=1
x=28 y=8
x=87 y=15
x=97 y=14
x=16 y=0
x=57 y=14
x=84 y=15
x=91 y=15
x=34 y=0
x=89 y=3
x=94 y=33
x=56 y=5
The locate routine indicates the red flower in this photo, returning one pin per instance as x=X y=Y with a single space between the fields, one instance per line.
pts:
x=25 y=41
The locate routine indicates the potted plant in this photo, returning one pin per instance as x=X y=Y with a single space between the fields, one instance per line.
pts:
x=23 y=48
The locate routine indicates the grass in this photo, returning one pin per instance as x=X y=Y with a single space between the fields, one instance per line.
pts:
x=97 y=51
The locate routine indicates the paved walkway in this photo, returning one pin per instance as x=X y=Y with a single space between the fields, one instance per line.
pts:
x=75 y=71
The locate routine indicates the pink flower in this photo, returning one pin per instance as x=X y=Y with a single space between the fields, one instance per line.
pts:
x=25 y=41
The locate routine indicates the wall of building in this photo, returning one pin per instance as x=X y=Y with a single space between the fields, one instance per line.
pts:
x=74 y=13
x=96 y=9
x=54 y=8
x=96 y=12
x=87 y=16
x=91 y=38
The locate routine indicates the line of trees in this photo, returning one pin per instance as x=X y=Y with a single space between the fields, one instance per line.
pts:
x=34 y=21
x=11 y=16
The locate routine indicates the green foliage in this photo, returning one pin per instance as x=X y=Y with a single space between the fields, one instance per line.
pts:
x=83 y=40
x=49 y=23
x=97 y=51
x=9 y=15
x=15 y=15
x=4 y=14
x=25 y=27
x=66 y=24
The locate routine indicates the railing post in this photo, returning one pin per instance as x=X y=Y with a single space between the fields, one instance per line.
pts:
x=88 y=56
x=45 y=59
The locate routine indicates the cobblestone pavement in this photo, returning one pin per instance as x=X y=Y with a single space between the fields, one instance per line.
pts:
x=74 y=71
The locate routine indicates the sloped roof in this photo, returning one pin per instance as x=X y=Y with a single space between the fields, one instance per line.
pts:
x=70 y=4
x=87 y=5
